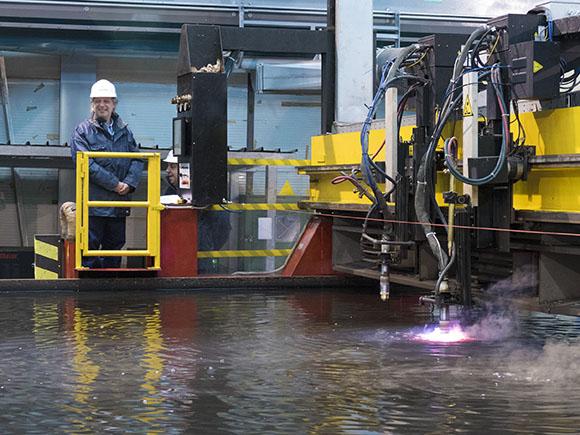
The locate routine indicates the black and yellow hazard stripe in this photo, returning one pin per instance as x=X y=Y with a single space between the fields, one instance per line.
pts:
x=47 y=256
x=256 y=207
x=267 y=162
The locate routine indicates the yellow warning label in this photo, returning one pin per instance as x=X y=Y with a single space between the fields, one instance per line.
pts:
x=467 y=110
x=537 y=66
x=286 y=189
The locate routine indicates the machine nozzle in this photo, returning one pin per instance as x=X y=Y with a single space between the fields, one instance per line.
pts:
x=384 y=282
x=385 y=289
x=444 y=316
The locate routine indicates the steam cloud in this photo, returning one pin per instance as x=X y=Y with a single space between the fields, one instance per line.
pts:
x=501 y=315
x=557 y=362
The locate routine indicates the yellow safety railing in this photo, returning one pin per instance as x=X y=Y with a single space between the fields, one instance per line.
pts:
x=153 y=205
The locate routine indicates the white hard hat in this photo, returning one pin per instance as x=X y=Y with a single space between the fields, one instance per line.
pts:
x=103 y=89
x=170 y=158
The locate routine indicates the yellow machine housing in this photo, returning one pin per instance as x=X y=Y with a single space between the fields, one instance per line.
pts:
x=549 y=188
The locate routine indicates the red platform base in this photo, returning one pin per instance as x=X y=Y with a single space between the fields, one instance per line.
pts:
x=313 y=253
x=68 y=260
x=178 y=243
x=178 y=250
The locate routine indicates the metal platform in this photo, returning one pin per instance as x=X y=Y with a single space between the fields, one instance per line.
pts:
x=58 y=156
x=117 y=273
x=210 y=282
x=395 y=278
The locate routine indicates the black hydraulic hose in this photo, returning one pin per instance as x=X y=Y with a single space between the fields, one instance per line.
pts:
x=426 y=167
x=366 y=160
x=424 y=218
x=475 y=51
x=457 y=70
x=445 y=270
x=387 y=242
x=405 y=52
x=392 y=76
x=425 y=172
x=460 y=61
x=402 y=103
x=496 y=83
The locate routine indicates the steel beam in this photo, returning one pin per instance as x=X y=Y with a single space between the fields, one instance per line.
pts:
x=90 y=11
x=354 y=60
x=158 y=16
x=250 y=112
x=556 y=160
x=391 y=133
x=274 y=40
x=20 y=210
x=58 y=156
x=6 y=101
x=328 y=110
x=184 y=284
x=271 y=197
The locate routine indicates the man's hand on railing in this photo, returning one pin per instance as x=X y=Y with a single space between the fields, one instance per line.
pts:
x=122 y=188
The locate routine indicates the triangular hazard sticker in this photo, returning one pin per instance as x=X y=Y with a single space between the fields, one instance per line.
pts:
x=467 y=110
x=287 y=189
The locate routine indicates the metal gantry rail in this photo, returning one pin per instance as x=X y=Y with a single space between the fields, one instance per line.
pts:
x=153 y=205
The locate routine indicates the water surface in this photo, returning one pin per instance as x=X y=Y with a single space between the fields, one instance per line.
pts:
x=276 y=362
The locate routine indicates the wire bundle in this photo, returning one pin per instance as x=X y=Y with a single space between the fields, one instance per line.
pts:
x=408 y=57
x=483 y=38
x=449 y=159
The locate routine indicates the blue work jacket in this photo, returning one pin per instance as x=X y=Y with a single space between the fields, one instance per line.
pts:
x=105 y=174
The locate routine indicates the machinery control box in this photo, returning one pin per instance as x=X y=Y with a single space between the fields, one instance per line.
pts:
x=535 y=69
x=200 y=128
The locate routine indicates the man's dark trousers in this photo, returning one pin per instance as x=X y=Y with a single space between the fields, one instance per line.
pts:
x=106 y=233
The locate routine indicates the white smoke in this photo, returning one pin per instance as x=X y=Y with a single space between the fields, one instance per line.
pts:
x=501 y=320
x=494 y=327
x=557 y=362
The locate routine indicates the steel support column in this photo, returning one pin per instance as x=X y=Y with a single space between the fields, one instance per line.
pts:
x=354 y=59
x=271 y=196
x=328 y=73
x=470 y=129
x=77 y=74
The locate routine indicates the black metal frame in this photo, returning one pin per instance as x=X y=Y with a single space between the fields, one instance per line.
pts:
x=293 y=42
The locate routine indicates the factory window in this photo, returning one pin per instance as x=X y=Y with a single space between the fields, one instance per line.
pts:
x=27 y=204
x=147 y=110
x=34 y=112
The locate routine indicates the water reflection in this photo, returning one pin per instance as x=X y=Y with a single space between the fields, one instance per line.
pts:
x=273 y=362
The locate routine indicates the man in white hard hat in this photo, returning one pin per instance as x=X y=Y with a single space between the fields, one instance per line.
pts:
x=213 y=227
x=172 y=173
x=109 y=179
